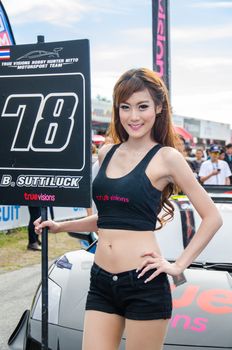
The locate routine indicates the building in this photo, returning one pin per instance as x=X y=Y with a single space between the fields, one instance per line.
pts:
x=204 y=132
x=195 y=131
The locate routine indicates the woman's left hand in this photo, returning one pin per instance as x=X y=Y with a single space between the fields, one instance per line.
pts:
x=155 y=261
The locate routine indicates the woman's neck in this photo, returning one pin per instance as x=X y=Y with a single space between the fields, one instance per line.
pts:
x=138 y=145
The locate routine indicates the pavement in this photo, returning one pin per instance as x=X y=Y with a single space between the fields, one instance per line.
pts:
x=17 y=289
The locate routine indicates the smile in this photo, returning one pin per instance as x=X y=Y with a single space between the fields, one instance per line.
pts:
x=135 y=127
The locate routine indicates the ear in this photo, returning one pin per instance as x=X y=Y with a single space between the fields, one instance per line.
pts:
x=158 y=109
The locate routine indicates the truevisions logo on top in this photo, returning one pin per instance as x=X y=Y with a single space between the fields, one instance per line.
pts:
x=39 y=197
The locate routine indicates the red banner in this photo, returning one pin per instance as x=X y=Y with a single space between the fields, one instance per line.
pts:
x=6 y=34
x=160 y=29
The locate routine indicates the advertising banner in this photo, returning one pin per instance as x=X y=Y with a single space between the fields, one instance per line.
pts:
x=6 y=34
x=160 y=29
x=45 y=120
x=14 y=216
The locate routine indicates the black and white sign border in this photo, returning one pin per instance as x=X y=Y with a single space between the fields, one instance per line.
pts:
x=43 y=99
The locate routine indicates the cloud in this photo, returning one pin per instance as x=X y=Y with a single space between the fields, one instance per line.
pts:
x=203 y=62
x=112 y=53
x=212 y=106
x=213 y=5
x=109 y=62
x=137 y=34
x=103 y=82
x=56 y=12
x=199 y=34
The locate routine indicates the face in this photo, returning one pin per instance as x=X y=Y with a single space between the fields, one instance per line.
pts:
x=199 y=154
x=180 y=145
x=138 y=113
x=214 y=156
x=222 y=156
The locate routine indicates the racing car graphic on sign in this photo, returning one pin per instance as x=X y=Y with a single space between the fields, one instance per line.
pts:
x=41 y=53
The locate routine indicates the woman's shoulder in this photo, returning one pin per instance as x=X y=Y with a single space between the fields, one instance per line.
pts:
x=171 y=156
x=168 y=153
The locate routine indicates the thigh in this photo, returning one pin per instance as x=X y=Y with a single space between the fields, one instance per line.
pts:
x=146 y=335
x=102 y=331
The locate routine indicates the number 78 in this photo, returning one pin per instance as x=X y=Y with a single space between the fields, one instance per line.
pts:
x=45 y=124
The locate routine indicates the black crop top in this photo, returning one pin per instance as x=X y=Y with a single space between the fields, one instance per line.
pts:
x=130 y=202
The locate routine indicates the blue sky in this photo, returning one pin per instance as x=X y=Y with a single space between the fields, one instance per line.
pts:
x=120 y=34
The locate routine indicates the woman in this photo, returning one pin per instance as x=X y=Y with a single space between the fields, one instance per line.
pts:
x=129 y=288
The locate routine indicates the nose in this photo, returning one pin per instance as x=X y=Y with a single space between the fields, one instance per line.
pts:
x=134 y=114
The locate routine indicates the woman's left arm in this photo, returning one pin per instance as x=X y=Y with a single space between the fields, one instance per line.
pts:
x=211 y=220
x=179 y=172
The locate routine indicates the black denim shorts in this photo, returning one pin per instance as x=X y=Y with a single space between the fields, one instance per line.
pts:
x=126 y=295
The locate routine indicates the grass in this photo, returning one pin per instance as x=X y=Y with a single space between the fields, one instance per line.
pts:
x=14 y=254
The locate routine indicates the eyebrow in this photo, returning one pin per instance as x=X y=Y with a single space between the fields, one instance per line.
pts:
x=146 y=101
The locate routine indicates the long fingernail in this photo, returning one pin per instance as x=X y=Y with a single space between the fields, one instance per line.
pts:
x=138 y=276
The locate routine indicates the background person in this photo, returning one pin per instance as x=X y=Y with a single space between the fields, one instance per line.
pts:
x=33 y=239
x=222 y=154
x=129 y=288
x=196 y=163
x=228 y=158
x=214 y=171
x=183 y=149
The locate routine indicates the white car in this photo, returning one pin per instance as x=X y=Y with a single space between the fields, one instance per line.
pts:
x=202 y=314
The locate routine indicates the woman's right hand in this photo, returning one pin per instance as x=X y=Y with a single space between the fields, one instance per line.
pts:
x=52 y=226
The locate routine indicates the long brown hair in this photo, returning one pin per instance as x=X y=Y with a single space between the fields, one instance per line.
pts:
x=135 y=80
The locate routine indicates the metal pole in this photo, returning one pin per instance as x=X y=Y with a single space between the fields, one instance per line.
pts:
x=44 y=268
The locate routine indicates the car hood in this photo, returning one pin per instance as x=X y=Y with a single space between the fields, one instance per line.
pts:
x=73 y=277
x=202 y=307
x=202 y=310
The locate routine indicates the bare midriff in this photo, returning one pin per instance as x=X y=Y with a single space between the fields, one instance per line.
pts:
x=122 y=250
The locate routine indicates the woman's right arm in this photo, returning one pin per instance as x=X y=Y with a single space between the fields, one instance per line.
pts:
x=86 y=224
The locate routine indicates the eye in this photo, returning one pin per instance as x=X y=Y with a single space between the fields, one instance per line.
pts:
x=143 y=107
x=124 y=107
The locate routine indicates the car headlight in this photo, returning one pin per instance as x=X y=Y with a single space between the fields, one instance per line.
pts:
x=54 y=294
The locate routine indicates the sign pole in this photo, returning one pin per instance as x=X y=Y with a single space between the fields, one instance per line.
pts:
x=44 y=267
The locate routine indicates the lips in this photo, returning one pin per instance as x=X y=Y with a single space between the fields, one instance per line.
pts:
x=135 y=127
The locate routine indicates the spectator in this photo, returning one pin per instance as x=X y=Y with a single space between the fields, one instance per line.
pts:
x=214 y=171
x=222 y=154
x=228 y=157
x=183 y=149
x=188 y=151
x=33 y=240
x=196 y=163
x=180 y=144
